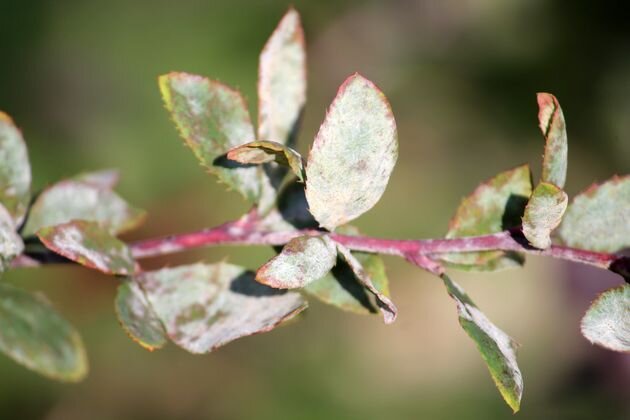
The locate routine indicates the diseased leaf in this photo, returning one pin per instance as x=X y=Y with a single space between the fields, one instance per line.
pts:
x=90 y=245
x=11 y=244
x=258 y=152
x=73 y=200
x=387 y=307
x=137 y=317
x=302 y=261
x=282 y=81
x=341 y=287
x=543 y=214
x=106 y=178
x=598 y=219
x=607 y=321
x=497 y=349
x=212 y=118
x=496 y=205
x=553 y=127
x=205 y=306
x=15 y=170
x=34 y=335
x=353 y=154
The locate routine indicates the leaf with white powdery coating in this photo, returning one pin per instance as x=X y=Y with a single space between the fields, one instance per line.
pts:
x=282 y=81
x=11 y=244
x=497 y=349
x=212 y=118
x=90 y=245
x=598 y=219
x=34 y=335
x=303 y=260
x=387 y=307
x=258 y=152
x=496 y=205
x=137 y=317
x=78 y=200
x=353 y=154
x=205 y=306
x=543 y=214
x=552 y=124
x=15 y=169
x=607 y=321
x=106 y=178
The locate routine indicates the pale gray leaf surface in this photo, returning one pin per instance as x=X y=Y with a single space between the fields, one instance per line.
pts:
x=204 y=306
x=543 y=214
x=353 y=154
x=11 y=244
x=552 y=124
x=137 y=317
x=106 y=178
x=607 y=321
x=15 y=169
x=302 y=261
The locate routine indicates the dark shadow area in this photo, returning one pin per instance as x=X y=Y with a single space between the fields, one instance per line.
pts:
x=245 y=284
x=514 y=210
x=293 y=206
x=223 y=162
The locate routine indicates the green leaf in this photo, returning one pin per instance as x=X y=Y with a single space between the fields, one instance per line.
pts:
x=258 y=152
x=497 y=349
x=387 y=307
x=553 y=127
x=106 y=178
x=496 y=205
x=15 y=170
x=303 y=260
x=282 y=81
x=205 y=306
x=73 y=200
x=11 y=244
x=90 y=245
x=137 y=317
x=34 y=335
x=598 y=219
x=341 y=287
x=353 y=154
x=543 y=214
x=607 y=321
x=212 y=118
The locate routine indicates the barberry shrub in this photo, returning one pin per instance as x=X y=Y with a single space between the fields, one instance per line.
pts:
x=303 y=208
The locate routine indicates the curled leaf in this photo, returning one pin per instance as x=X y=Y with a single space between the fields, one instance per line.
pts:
x=137 y=317
x=73 y=200
x=497 y=349
x=34 y=335
x=553 y=127
x=258 y=152
x=205 y=306
x=15 y=170
x=282 y=81
x=598 y=218
x=353 y=154
x=543 y=214
x=90 y=245
x=607 y=321
x=303 y=260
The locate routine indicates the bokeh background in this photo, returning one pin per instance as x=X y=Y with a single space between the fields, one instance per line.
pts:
x=80 y=79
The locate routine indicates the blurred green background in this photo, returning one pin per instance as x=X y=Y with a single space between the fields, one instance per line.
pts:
x=79 y=78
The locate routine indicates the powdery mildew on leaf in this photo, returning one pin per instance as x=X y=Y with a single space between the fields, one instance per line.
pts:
x=552 y=124
x=90 y=245
x=34 y=335
x=607 y=321
x=496 y=205
x=598 y=219
x=212 y=118
x=137 y=317
x=543 y=214
x=11 y=244
x=387 y=307
x=205 y=306
x=106 y=178
x=282 y=81
x=73 y=200
x=258 y=152
x=353 y=154
x=302 y=261
x=497 y=349
x=15 y=169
